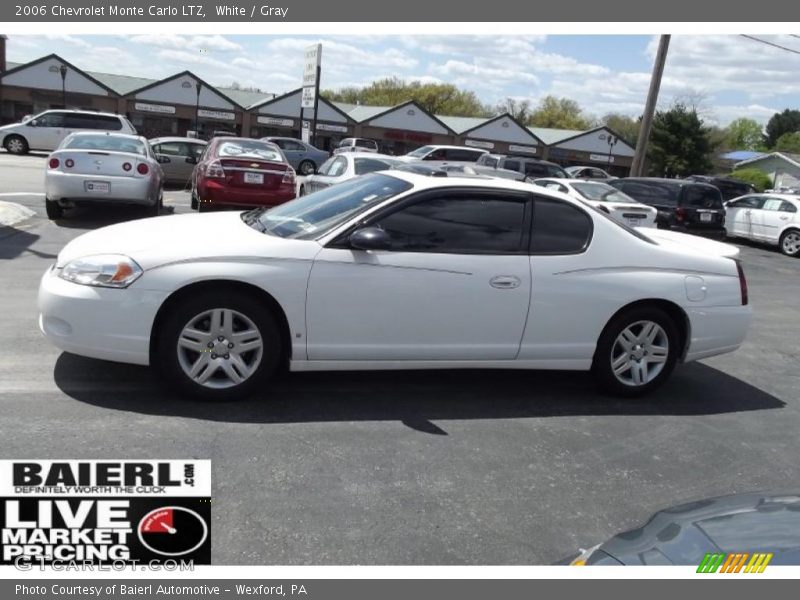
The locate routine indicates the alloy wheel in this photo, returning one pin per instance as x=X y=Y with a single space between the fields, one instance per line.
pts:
x=639 y=353
x=220 y=348
x=791 y=243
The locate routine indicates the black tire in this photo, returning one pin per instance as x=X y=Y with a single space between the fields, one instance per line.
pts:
x=194 y=202
x=53 y=210
x=301 y=191
x=307 y=167
x=168 y=356
x=788 y=243
x=607 y=347
x=16 y=144
x=155 y=210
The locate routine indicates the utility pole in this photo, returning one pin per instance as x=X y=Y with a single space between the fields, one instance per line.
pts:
x=637 y=167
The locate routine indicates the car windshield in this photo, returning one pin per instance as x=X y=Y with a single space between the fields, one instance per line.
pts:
x=600 y=192
x=420 y=152
x=312 y=216
x=110 y=143
x=250 y=149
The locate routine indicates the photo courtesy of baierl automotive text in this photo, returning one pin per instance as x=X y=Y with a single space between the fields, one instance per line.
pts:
x=516 y=302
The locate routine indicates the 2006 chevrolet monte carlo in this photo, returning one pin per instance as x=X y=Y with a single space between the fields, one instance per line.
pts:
x=396 y=271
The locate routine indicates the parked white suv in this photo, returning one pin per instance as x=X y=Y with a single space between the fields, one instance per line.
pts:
x=46 y=130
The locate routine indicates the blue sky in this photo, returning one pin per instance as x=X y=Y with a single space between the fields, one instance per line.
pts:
x=730 y=76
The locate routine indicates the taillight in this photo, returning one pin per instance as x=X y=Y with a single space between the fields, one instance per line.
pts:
x=214 y=169
x=742 y=282
x=142 y=169
x=126 y=167
x=680 y=213
x=53 y=164
x=288 y=176
x=69 y=163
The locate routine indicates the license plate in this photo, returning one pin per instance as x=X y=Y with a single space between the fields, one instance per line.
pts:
x=98 y=187
x=633 y=222
x=705 y=217
x=253 y=177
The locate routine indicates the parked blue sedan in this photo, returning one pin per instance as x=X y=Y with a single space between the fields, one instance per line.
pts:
x=305 y=158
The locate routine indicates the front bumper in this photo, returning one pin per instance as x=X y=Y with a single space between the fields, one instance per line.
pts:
x=104 y=323
x=62 y=187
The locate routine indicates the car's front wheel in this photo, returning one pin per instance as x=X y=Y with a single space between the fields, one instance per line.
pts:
x=790 y=243
x=636 y=352
x=16 y=144
x=218 y=346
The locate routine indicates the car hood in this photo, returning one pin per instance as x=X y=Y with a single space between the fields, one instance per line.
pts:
x=741 y=523
x=162 y=240
x=678 y=240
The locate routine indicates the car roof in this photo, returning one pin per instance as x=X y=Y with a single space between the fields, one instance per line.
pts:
x=449 y=147
x=781 y=195
x=366 y=155
x=82 y=112
x=665 y=181
x=561 y=180
x=160 y=140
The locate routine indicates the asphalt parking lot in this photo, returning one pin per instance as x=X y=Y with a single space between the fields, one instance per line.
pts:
x=409 y=468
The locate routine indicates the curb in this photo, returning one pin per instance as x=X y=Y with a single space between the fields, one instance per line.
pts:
x=12 y=213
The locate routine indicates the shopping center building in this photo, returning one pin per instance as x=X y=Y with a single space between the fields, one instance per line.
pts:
x=184 y=103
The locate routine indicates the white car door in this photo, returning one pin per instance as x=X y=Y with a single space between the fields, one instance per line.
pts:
x=767 y=222
x=455 y=284
x=739 y=215
x=46 y=131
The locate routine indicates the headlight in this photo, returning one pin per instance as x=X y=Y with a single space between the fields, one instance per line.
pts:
x=103 y=270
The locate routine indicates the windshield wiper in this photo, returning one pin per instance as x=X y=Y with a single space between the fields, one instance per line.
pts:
x=251 y=218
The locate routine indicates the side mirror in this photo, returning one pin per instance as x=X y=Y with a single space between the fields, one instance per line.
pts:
x=370 y=238
x=192 y=160
x=163 y=159
x=32 y=123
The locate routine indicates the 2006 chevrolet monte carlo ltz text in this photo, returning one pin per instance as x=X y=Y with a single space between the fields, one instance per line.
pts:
x=396 y=271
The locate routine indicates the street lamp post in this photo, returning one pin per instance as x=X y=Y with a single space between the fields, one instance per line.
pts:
x=612 y=141
x=198 y=86
x=63 y=71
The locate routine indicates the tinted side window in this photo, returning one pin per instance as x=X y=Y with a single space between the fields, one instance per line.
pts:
x=559 y=228
x=458 y=225
x=788 y=207
x=52 y=119
x=696 y=196
x=512 y=165
x=462 y=154
x=103 y=122
x=368 y=165
x=536 y=170
x=172 y=149
x=748 y=202
x=653 y=194
x=292 y=146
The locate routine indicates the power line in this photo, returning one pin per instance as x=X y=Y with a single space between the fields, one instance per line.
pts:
x=773 y=44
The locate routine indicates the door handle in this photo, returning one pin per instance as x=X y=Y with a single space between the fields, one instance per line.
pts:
x=505 y=282
x=783 y=218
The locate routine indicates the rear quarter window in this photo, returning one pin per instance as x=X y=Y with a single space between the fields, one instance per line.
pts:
x=559 y=228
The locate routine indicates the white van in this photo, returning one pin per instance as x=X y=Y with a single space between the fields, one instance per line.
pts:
x=46 y=130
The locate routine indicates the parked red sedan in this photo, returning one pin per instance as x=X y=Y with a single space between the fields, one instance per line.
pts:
x=241 y=173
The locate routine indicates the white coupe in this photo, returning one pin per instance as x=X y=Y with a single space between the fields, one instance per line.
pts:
x=396 y=271
x=616 y=203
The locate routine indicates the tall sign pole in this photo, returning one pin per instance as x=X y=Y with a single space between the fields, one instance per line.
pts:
x=637 y=167
x=310 y=95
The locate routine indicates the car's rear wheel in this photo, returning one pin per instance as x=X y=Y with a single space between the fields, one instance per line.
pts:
x=301 y=191
x=307 y=167
x=156 y=209
x=16 y=144
x=636 y=352
x=219 y=346
x=790 y=242
x=194 y=202
x=53 y=209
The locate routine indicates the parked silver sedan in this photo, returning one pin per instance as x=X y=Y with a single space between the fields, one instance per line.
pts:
x=344 y=166
x=177 y=157
x=102 y=168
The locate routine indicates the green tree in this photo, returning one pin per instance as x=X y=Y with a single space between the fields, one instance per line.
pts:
x=679 y=143
x=625 y=126
x=559 y=113
x=744 y=134
x=436 y=98
x=786 y=122
x=788 y=142
x=755 y=177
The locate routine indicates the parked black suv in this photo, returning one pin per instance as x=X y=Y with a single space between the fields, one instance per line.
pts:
x=730 y=188
x=682 y=205
x=534 y=168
